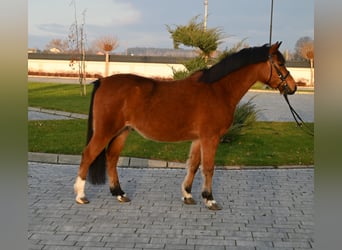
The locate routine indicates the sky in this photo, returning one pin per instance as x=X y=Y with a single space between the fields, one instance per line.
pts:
x=142 y=23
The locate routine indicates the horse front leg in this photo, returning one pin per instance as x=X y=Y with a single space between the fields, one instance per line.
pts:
x=192 y=165
x=209 y=147
x=113 y=153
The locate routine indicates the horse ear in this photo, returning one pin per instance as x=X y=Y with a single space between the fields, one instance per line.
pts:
x=274 y=47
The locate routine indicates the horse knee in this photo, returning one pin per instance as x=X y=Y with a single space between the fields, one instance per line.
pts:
x=208 y=172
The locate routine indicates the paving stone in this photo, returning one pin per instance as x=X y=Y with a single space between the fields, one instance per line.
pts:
x=138 y=162
x=69 y=159
x=43 y=157
x=262 y=209
x=176 y=165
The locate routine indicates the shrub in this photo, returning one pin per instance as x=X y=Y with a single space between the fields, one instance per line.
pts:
x=191 y=66
x=195 y=64
x=180 y=74
x=245 y=116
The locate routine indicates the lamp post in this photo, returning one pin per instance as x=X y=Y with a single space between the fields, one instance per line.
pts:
x=205 y=15
x=271 y=22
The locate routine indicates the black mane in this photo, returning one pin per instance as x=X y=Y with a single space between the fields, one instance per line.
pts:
x=234 y=62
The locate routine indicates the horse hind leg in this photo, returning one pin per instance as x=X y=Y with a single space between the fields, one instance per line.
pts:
x=113 y=152
x=90 y=153
x=193 y=165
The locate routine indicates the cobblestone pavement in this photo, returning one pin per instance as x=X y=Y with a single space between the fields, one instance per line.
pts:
x=262 y=209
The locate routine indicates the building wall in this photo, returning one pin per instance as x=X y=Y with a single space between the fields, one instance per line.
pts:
x=302 y=74
x=161 y=70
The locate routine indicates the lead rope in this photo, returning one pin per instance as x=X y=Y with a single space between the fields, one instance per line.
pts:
x=296 y=117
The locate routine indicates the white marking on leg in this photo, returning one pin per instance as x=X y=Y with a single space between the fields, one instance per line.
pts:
x=186 y=195
x=79 y=189
x=209 y=203
x=121 y=198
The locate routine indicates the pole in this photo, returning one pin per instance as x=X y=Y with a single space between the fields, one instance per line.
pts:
x=205 y=15
x=271 y=23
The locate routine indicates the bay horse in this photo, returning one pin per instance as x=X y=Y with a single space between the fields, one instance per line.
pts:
x=199 y=108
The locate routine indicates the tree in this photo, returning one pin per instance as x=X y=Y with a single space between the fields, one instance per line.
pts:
x=106 y=44
x=76 y=40
x=57 y=45
x=305 y=48
x=235 y=48
x=194 y=35
x=205 y=40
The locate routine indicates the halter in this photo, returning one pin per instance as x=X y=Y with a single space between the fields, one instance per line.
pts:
x=283 y=82
x=285 y=86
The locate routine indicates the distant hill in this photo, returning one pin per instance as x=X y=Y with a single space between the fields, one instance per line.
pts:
x=138 y=51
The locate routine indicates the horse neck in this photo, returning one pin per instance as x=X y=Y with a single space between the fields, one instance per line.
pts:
x=235 y=85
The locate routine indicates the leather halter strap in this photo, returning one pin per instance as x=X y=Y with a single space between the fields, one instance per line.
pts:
x=280 y=75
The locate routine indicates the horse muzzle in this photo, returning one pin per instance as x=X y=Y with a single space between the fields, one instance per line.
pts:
x=285 y=89
x=289 y=91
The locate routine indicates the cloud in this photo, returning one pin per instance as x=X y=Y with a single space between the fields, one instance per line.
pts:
x=103 y=14
x=116 y=14
x=53 y=28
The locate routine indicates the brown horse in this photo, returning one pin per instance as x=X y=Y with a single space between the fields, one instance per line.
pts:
x=199 y=108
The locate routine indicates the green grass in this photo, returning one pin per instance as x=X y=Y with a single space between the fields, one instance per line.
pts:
x=64 y=97
x=267 y=143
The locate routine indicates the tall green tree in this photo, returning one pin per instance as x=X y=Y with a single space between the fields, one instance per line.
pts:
x=196 y=36
x=205 y=40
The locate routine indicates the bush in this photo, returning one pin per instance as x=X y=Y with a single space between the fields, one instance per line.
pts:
x=191 y=66
x=195 y=64
x=245 y=116
x=180 y=74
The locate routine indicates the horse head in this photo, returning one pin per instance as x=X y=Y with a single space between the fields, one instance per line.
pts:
x=280 y=78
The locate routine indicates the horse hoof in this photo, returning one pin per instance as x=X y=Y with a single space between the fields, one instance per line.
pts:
x=189 y=201
x=82 y=200
x=123 y=198
x=215 y=207
x=212 y=205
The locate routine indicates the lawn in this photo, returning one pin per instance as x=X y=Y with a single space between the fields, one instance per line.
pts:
x=64 y=97
x=266 y=143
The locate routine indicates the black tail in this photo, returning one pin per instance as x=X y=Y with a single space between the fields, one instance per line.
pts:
x=97 y=170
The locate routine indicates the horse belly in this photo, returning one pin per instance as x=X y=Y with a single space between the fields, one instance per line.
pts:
x=165 y=131
x=175 y=122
